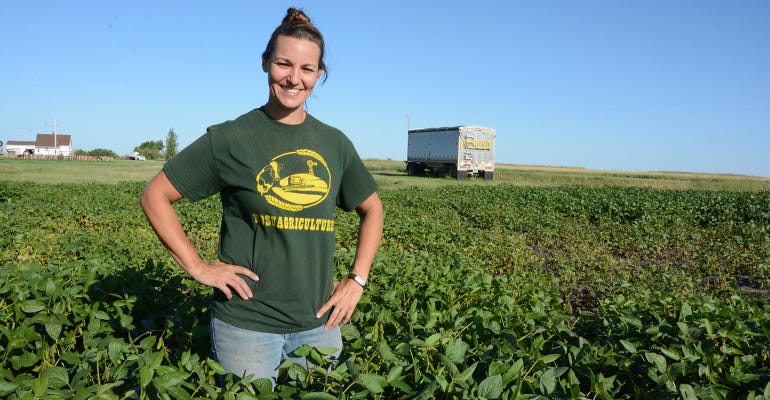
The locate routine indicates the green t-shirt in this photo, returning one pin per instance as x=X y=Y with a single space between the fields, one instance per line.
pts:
x=279 y=186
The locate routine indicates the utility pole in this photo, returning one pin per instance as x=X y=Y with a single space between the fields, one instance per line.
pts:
x=55 y=145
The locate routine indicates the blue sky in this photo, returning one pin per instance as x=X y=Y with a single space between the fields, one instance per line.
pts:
x=619 y=85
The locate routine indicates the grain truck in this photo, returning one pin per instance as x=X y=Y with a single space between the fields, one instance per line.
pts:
x=457 y=151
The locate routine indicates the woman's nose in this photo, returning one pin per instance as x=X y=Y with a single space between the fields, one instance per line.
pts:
x=293 y=77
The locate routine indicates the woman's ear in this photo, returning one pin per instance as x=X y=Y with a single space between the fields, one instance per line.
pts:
x=264 y=64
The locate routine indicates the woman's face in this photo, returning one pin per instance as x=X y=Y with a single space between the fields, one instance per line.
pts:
x=292 y=72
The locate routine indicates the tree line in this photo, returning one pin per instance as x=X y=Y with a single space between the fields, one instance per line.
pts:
x=151 y=149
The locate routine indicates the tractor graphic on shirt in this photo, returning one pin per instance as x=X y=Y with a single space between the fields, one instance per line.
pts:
x=295 y=180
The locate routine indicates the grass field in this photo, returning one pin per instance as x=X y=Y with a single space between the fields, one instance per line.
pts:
x=62 y=171
x=391 y=174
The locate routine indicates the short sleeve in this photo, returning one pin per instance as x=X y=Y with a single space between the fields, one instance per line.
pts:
x=357 y=183
x=193 y=171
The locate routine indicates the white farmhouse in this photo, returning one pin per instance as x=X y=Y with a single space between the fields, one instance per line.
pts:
x=45 y=144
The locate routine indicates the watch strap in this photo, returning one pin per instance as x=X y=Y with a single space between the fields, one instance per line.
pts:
x=357 y=279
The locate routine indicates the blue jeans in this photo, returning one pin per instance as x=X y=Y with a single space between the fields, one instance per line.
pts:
x=243 y=352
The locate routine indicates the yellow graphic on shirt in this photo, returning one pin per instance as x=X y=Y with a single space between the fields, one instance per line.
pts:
x=295 y=180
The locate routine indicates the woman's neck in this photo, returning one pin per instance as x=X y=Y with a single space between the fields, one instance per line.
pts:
x=283 y=115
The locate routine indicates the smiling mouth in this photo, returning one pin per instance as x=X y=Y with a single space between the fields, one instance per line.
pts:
x=290 y=90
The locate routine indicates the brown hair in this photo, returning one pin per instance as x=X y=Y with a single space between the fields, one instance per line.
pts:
x=296 y=24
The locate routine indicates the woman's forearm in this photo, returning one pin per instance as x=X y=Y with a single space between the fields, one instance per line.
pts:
x=156 y=202
x=369 y=235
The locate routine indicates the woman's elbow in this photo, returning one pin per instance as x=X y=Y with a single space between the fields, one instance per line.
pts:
x=372 y=206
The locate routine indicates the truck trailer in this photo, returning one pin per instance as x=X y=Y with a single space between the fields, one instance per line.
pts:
x=457 y=151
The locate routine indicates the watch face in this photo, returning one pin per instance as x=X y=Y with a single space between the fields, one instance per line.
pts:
x=357 y=279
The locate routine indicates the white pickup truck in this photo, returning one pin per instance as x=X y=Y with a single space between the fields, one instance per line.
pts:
x=136 y=156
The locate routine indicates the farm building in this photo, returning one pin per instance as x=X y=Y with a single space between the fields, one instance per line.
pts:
x=45 y=144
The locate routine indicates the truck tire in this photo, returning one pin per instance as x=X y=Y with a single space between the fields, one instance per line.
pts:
x=447 y=170
x=414 y=169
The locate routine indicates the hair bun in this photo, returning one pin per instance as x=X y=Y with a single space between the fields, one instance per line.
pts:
x=295 y=16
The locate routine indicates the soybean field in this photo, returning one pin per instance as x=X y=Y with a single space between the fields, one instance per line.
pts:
x=479 y=291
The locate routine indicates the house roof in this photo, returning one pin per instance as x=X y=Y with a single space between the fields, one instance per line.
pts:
x=47 y=140
x=19 y=143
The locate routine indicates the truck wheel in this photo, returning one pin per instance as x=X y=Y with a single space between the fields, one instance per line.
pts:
x=415 y=169
x=438 y=172
x=410 y=169
x=446 y=170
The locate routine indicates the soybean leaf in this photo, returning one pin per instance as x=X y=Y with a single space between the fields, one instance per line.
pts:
x=658 y=360
x=456 y=350
x=373 y=382
x=385 y=352
x=215 y=366
x=318 y=396
x=550 y=358
x=57 y=376
x=32 y=306
x=549 y=379
x=491 y=387
x=467 y=373
x=246 y=396
x=433 y=339
x=449 y=365
x=394 y=373
x=7 y=387
x=327 y=350
x=687 y=392
x=629 y=346
x=262 y=385
x=40 y=386
x=302 y=351
x=513 y=372
x=167 y=379
x=53 y=329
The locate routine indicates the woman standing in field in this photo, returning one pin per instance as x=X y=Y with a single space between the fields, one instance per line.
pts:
x=280 y=174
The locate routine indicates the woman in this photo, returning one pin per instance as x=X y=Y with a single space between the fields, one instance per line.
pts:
x=280 y=174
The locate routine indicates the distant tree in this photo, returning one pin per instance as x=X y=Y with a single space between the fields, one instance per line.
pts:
x=102 y=153
x=80 y=152
x=171 y=143
x=151 y=149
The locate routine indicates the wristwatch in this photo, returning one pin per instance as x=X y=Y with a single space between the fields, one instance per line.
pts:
x=358 y=279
